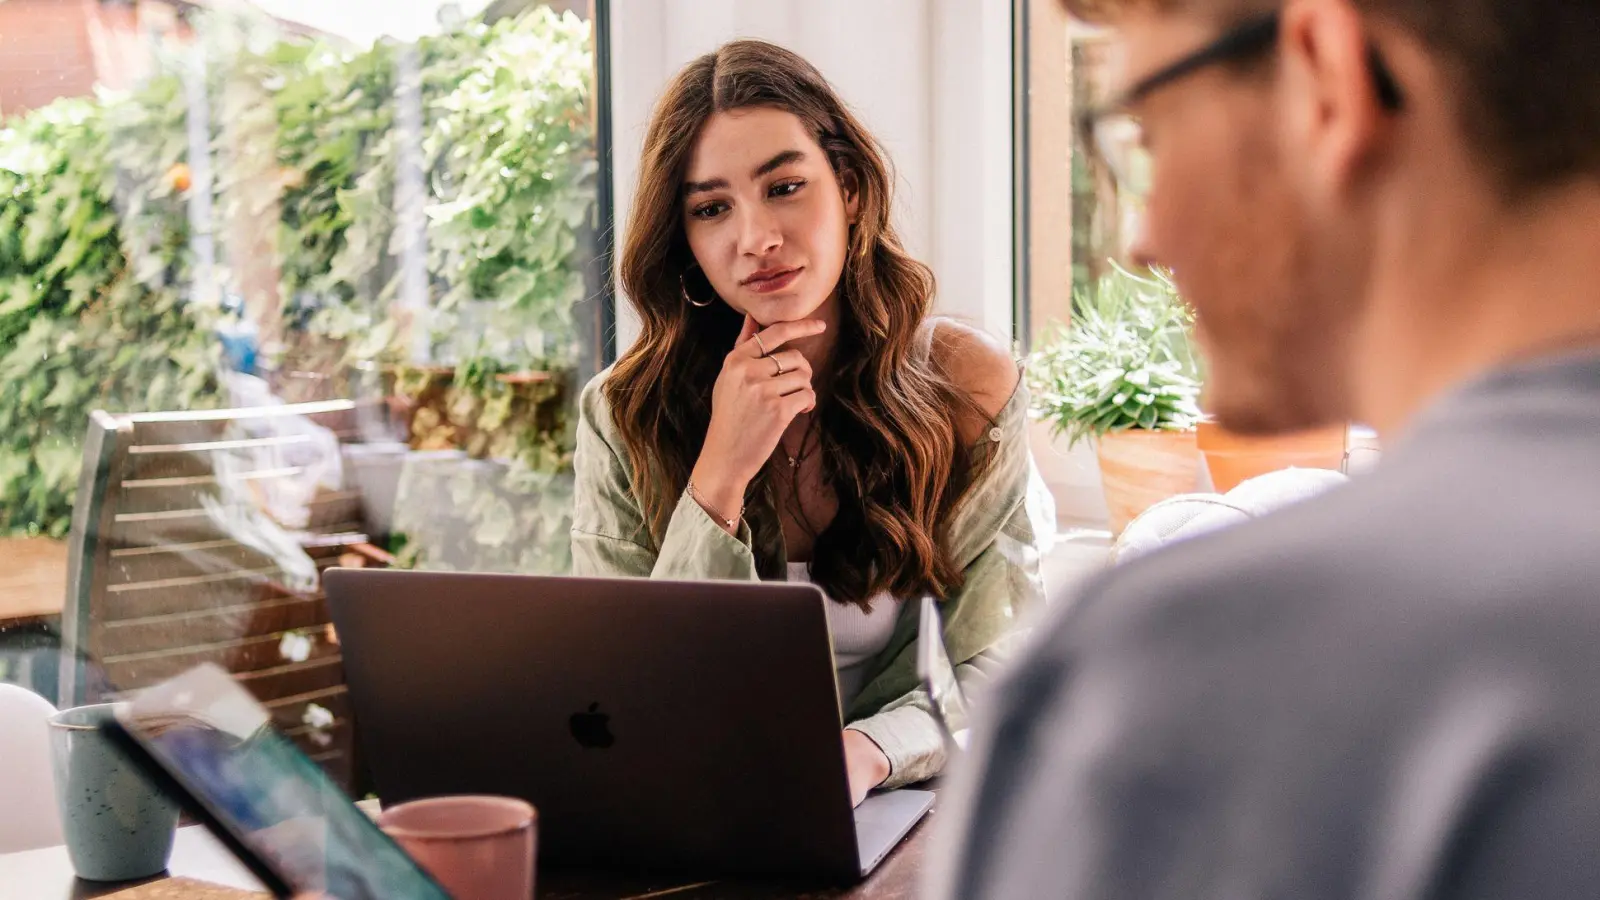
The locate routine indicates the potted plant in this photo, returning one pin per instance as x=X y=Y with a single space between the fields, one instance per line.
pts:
x=1126 y=376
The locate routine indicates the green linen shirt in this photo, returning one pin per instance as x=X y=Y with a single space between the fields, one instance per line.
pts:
x=995 y=538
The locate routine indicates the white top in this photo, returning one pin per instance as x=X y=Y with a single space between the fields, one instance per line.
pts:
x=857 y=636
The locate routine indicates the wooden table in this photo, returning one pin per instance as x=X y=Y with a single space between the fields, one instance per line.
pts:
x=47 y=875
x=33 y=579
x=33 y=588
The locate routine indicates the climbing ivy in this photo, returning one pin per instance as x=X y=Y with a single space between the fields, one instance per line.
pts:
x=98 y=306
x=94 y=272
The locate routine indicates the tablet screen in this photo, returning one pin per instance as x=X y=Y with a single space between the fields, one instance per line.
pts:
x=218 y=743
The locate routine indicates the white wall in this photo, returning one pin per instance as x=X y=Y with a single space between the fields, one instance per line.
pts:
x=930 y=78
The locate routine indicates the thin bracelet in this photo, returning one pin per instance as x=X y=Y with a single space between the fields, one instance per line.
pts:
x=733 y=523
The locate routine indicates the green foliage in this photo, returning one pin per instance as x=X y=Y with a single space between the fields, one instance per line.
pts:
x=95 y=273
x=508 y=156
x=511 y=160
x=335 y=116
x=1126 y=362
x=93 y=289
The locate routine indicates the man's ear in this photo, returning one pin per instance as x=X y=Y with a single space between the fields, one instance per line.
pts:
x=1336 y=115
x=850 y=187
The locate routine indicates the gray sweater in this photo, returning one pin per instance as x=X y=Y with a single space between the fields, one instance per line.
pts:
x=1391 y=691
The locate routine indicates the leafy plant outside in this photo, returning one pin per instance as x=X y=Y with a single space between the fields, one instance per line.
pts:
x=96 y=307
x=94 y=289
x=509 y=164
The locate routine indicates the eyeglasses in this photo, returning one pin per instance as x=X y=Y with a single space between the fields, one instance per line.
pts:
x=1114 y=136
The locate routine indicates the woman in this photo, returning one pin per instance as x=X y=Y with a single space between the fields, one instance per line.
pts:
x=790 y=411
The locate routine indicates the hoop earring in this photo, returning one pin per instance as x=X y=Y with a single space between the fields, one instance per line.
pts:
x=683 y=288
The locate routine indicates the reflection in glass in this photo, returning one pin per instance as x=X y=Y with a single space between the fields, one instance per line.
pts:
x=281 y=301
x=1110 y=179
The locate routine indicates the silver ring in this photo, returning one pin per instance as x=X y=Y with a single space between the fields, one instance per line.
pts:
x=781 y=369
x=761 y=345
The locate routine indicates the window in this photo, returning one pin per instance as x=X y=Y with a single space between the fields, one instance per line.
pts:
x=1074 y=221
x=284 y=286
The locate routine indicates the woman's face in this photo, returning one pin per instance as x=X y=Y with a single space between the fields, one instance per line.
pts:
x=766 y=217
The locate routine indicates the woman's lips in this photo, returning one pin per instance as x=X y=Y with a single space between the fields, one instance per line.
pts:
x=766 y=283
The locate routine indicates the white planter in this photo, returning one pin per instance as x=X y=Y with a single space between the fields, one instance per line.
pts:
x=1073 y=477
x=373 y=469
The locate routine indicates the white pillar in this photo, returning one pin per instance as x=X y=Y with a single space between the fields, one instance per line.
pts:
x=972 y=161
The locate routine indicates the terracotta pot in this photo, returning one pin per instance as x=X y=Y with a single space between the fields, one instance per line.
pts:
x=1233 y=458
x=1141 y=468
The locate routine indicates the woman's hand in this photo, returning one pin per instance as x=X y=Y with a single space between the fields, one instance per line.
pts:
x=762 y=387
x=865 y=763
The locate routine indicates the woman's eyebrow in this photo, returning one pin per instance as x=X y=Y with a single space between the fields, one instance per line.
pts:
x=778 y=162
x=771 y=165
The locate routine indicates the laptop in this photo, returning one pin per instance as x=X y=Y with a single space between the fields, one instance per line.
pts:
x=691 y=727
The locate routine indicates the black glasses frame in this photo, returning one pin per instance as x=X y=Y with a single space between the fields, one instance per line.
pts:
x=1254 y=35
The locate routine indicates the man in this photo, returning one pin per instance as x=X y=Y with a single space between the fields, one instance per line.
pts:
x=1385 y=211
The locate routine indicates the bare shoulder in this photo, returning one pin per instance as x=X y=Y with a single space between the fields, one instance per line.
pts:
x=977 y=362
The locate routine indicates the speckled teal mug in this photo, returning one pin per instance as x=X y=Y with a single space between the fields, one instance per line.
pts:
x=118 y=826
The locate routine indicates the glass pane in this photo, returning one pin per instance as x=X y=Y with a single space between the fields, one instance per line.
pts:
x=1105 y=210
x=283 y=287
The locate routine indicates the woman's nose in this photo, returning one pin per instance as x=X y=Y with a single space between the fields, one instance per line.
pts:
x=758 y=232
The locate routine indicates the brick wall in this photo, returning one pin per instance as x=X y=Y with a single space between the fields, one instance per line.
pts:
x=44 y=53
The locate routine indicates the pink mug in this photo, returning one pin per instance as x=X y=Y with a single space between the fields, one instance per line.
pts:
x=476 y=847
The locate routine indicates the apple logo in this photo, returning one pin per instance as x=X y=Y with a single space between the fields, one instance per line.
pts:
x=592 y=729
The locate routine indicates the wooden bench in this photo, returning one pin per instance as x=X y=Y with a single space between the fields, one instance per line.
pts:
x=175 y=558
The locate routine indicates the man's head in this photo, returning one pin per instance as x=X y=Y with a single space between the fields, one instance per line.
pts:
x=1306 y=186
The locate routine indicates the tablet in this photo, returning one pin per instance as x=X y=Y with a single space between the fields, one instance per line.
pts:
x=204 y=738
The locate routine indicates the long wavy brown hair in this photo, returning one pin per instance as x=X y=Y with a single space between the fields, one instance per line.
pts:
x=887 y=414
